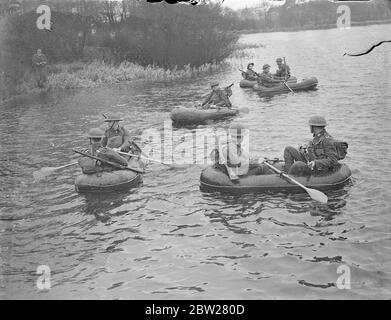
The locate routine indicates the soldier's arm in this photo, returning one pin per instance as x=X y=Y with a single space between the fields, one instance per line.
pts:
x=207 y=99
x=126 y=139
x=44 y=60
x=330 y=153
x=104 y=140
x=224 y=100
x=34 y=60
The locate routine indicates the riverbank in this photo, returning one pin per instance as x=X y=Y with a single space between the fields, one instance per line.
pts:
x=98 y=73
x=79 y=74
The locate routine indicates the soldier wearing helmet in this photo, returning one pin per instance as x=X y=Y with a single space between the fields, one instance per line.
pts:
x=89 y=165
x=321 y=155
x=116 y=137
x=234 y=158
x=250 y=74
x=266 y=78
x=218 y=97
x=283 y=71
x=39 y=64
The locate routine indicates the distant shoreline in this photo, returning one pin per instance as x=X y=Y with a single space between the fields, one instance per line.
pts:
x=317 y=27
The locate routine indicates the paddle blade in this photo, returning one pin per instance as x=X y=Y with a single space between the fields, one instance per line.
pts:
x=317 y=195
x=177 y=166
x=244 y=110
x=42 y=173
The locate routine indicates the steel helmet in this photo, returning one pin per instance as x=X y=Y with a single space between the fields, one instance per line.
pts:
x=112 y=117
x=95 y=133
x=250 y=64
x=265 y=66
x=236 y=129
x=214 y=84
x=317 y=121
x=279 y=60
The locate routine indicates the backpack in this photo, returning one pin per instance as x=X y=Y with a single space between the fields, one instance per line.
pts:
x=342 y=149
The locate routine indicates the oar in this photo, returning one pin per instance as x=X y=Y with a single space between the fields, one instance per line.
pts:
x=171 y=165
x=47 y=171
x=114 y=164
x=285 y=82
x=314 y=194
x=244 y=110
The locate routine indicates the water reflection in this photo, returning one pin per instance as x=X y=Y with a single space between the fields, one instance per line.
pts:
x=100 y=205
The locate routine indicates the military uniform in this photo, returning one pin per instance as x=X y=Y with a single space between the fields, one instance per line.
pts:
x=321 y=150
x=283 y=72
x=39 y=63
x=266 y=79
x=90 y=166
x=235 y=157
x=250 y=75
x=218 y=98
x=119 y=138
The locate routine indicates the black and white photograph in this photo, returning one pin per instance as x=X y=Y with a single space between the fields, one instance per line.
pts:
x=196 y=150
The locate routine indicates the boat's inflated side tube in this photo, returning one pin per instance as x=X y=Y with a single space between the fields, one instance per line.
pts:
x=107 y=181
x=213 y=179
x=183 y=115
x=306 y=84
x=249 y=84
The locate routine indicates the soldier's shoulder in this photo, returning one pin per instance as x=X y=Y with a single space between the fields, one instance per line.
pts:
x=327 y=139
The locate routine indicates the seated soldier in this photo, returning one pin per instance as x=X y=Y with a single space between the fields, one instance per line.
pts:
x=89 y=165
x=233 y=158
x=266 y=78
x=116 y=137
x=218 y=97
x=250 y=74
x=283 y=72
x=321 y=157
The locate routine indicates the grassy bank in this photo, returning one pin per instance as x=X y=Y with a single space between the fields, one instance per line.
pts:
x=98 y=73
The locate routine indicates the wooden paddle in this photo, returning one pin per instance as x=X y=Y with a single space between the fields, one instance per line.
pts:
x=314 y=194
x=114 y=164
x=171 y=165
x=285 y=79
x=47 y=171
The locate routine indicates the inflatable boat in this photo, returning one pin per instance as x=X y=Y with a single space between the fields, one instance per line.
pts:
x=213 y=179
x=107 y=181
x=249 y=84
x=305 y=85
x=195 y=116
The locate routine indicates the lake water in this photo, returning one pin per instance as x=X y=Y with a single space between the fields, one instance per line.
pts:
x=167 y=239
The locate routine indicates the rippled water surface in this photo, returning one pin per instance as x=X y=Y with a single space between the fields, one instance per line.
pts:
x=167 y=239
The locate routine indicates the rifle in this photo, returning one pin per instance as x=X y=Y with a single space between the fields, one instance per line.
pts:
x=257 y=74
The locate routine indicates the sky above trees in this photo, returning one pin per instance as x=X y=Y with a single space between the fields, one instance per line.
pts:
x=240 y=4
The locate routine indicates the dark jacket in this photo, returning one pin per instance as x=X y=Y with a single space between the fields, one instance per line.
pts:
x=91 y=166
x=219 y=98
x=250 y=75
x=283 y=71
x=119 y=138
x=322 y=150
x=39 y=61
x=266 y=80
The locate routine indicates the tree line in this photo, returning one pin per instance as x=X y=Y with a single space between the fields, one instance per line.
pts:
x=168 y=36
x=307 y=15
